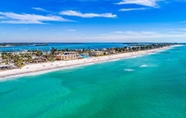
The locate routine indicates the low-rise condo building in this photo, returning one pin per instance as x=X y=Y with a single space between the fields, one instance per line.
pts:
x=67 y=56
x=96 y=53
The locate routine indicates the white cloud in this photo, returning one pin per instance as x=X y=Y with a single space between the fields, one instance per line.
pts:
x=14 y=18
x=133 y=9
x=148 y=33
x=87 y=15
x=149 y=3
x=20 y=22
x=39 y=9
x=135 y=32
x=2 y=17
x=117 y=32
x=139 y=36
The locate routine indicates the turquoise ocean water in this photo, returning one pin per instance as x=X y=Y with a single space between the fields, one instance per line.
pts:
x=64 y=46
x=152 y=86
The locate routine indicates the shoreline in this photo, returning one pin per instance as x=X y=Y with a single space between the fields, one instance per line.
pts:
x=40 y=68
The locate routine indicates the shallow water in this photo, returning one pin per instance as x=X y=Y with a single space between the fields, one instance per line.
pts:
x=152 y=86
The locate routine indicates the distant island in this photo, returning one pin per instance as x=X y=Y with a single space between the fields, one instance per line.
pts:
x=21 y=44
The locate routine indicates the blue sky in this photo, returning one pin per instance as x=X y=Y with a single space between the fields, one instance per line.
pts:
x=93 y=21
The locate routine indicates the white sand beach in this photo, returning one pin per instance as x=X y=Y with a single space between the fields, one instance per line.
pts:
x=50 y=66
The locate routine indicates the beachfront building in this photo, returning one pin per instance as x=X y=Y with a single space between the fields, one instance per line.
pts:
x=67 y=56
x=39 y=59
x=104 y=49
x=96 y=53
x=112 y=51
x=7 y=67
x=1 y=59
x=58 y=53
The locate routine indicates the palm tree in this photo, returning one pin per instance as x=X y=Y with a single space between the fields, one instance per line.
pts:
x=39 y=53
x=19 y=63
x=4 y=55
x=53 y=50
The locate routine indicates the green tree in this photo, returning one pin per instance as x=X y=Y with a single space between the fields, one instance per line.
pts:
x=39 y=53
x=53 y=50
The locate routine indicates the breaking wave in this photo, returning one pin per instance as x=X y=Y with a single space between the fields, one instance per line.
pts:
x=129 y=70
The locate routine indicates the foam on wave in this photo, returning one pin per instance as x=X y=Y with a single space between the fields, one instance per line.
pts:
x=129 y=70
x=143 y=66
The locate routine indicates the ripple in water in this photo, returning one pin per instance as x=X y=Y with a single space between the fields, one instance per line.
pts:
x=143 y=66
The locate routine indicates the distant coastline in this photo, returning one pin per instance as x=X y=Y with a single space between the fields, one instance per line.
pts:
x=57 y=65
